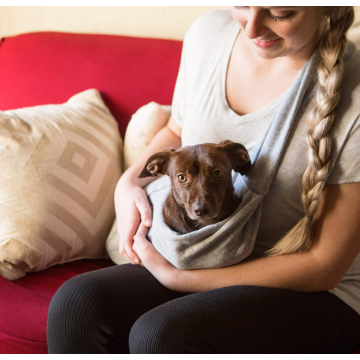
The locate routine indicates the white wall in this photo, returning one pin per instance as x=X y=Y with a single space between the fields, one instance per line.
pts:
x=170 y=22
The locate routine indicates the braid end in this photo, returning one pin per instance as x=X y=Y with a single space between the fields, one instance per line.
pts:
x=297 y=240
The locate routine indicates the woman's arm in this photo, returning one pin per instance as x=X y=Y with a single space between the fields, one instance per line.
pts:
x=336 y=234
x=131 y=203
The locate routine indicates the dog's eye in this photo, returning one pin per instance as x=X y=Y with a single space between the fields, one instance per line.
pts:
x=182 y=178
x=217 y=173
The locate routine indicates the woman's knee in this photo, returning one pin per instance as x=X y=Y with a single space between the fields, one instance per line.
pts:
x=88 y=295
x=103 y=304
x=95 y=290
x=80 y=315
x=71 y=297
x=67 y=310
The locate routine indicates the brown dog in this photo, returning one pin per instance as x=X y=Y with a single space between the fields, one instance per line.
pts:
x=202 y=192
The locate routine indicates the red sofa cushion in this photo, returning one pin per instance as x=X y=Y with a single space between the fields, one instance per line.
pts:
x=50 y=67
x=24 y=305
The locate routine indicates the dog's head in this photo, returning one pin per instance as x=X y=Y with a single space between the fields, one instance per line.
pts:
x=200 y=175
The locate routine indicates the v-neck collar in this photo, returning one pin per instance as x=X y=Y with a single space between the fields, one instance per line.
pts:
x=221 y=87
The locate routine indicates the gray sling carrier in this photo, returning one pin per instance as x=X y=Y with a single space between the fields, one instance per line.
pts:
x=232 y=240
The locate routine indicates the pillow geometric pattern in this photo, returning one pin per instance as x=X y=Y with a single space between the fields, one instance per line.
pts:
x=58 y=171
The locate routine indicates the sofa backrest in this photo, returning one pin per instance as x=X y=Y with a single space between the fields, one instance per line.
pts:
x=50 y=67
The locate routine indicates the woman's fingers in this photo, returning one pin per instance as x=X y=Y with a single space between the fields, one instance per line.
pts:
x=142 y=229
x=126 y=240
x=145 y=211
x=139 y=237
x=140 y=241
x=133 y=208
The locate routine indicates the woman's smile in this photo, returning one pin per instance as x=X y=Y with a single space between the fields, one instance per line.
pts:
x=280 y=31
x=264 y=44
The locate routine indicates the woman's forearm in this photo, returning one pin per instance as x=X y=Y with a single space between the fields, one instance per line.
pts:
x=297 y=272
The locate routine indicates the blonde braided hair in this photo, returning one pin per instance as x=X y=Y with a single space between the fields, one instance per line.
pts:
x=320 y=119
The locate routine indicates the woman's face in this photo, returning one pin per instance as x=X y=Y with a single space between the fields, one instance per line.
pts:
x=279 y=30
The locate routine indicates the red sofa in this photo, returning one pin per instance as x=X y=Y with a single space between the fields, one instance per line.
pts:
x=49 y=68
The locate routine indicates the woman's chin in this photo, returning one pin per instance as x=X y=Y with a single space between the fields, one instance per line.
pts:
x=269 y=53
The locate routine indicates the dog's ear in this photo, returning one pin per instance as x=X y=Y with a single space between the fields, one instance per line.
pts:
x=238 y=156
x=157 y=163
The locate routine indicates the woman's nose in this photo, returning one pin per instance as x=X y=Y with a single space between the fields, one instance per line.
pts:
x=255 y=26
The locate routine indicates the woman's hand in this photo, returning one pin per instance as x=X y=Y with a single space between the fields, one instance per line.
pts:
x=132 y=206
x=159 y=267
x=131 y=203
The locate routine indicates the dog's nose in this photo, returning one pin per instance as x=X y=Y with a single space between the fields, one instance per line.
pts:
x=201 y=209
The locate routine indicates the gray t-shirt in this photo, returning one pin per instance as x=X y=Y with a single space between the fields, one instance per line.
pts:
x=200 y=108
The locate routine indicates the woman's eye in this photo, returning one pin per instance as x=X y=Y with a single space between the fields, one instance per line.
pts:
x=281 y=18
x=280 y=15
x=217 y=173
x=182 y=178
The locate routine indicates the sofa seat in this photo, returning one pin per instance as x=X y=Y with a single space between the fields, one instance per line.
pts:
x=24 y=305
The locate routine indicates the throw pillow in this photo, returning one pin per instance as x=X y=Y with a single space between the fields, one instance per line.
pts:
x=59 y=168
x=142 y=128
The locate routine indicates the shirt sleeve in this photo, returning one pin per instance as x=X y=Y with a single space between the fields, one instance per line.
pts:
x=347 y=167
x=203 y=36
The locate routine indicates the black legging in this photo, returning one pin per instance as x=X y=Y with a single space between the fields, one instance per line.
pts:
x=124 y=308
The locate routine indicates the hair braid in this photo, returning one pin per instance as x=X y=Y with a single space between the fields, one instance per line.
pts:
x=320 y=120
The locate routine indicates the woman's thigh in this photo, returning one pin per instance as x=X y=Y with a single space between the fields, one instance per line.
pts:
x=94 y=312
x=248 y=319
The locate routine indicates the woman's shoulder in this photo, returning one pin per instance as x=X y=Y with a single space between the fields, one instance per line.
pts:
x=346 y=129
x=352 y=62
x=351 y=79
x=351 y=54
x=210 y=28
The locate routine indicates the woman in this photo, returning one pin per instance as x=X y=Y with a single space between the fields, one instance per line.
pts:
x=234 y=74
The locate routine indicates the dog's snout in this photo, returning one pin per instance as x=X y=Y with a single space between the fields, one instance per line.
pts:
x=201 y=209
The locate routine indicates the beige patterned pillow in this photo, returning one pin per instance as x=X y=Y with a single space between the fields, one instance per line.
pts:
x=142 y=128
x=58 y=171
